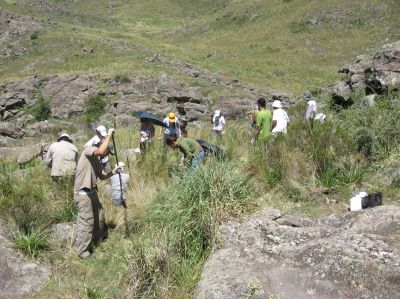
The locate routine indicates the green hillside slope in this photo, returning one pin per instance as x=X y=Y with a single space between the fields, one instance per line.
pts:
x=279 y=44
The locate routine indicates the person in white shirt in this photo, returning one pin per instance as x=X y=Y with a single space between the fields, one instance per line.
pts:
x=172 y=127
x=280 y=119
x=218 y=123
x=311 y=111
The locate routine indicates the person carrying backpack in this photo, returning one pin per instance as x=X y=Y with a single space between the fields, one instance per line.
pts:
x=218 y=123
x=172 y=127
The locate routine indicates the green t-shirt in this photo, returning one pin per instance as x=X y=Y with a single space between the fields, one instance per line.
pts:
x=263 y=121
x=189 y=147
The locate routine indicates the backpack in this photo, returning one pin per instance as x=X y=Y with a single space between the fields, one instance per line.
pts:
x=216 y=121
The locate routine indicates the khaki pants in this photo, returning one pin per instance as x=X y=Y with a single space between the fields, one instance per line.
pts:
x=90 y=222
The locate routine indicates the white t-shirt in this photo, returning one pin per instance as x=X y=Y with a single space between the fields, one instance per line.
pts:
x=221 y=123
x=282 y=120
x=311 y=109
x=116 y=187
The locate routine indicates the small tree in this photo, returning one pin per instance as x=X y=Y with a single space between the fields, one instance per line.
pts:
x=42 y=109
x=94 y=107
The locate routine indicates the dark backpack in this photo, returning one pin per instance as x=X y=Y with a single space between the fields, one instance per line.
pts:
x=372 y=200
x=216 y=121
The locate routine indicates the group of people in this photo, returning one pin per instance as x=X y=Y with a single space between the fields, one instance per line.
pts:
x=93 y=164
x=267 y=124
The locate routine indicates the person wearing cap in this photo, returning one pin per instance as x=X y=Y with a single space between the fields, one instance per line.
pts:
x=183 y=119
x=311 y=111
x=90 y=219
x=280 y=119
x=218 y=123
x=193 y=152
x=101 y=133
x=172 y=127
x=263 y=123
x=62 y=157
x=117 y=184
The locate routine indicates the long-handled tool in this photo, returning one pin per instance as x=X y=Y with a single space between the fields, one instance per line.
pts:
x=123 y=203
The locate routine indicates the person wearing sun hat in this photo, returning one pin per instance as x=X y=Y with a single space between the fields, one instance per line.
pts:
x=62 y=157
x=280 y=119
x=172 y=127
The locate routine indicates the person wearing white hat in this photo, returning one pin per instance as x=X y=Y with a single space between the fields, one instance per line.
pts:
x=101 y=133
x=62 y=157
x=280 y=119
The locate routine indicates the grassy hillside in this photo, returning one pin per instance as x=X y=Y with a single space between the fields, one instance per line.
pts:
x=280 y=44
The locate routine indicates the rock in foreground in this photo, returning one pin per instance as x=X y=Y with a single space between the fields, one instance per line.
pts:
x=19 y=278
x=352 y=255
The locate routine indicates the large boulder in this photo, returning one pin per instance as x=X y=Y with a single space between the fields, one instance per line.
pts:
x=351 y=255
x=19 y=278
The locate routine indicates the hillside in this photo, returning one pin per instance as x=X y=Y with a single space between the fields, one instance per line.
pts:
x=276 y=44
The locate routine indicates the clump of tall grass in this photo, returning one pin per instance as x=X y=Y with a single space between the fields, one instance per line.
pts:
x=180 y=227
x=32 y=242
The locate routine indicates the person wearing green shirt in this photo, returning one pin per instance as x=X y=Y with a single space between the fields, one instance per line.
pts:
x=192 y=151
x=263 y=122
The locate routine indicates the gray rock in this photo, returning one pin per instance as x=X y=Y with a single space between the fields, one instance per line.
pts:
x=22 y=155
x=19 y=278
x=351 y=255
x=11 y=130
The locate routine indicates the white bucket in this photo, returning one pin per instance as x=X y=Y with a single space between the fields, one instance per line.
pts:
x=356 y=203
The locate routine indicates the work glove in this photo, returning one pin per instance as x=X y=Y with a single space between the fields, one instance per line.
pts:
x=111 y=131
x=116 y=170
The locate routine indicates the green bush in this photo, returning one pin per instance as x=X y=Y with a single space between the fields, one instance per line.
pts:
x=95 y=106
x=122 y=78
x=34 y=35
x=376 y=129
x=41 y=110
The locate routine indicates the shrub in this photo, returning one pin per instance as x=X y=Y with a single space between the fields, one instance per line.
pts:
x=41 y=110
x=95 y=106
x=34 y=35
x=122 y=78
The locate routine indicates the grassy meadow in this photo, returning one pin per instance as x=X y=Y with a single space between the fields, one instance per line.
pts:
x=289 y=45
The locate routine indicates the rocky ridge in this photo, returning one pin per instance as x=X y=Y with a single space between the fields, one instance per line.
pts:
x=351 y=255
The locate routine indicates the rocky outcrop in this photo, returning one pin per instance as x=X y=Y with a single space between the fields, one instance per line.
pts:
x=19 y=278
x=377 y=75
x=351 y=255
